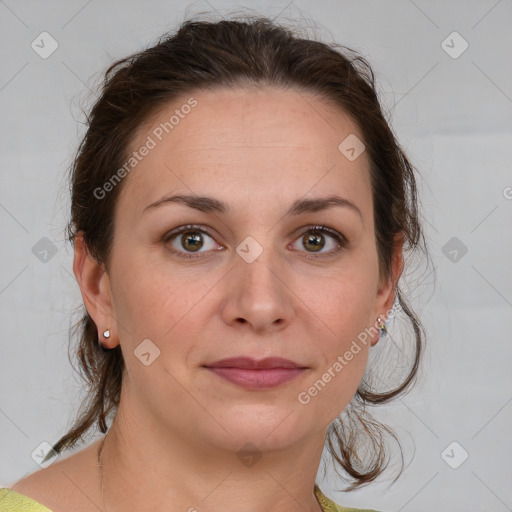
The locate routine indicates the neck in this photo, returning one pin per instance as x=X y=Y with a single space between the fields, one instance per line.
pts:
x=146 y=472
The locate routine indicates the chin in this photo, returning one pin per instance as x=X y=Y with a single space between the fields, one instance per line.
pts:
x=266 y=427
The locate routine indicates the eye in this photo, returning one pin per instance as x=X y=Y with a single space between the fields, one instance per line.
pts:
x=192 y=239
x=314 y=239
x=187 y=241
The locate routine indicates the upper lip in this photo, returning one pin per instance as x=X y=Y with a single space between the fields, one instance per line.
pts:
x=254 y=364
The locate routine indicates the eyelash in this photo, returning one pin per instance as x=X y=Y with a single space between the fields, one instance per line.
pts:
x=342 y=241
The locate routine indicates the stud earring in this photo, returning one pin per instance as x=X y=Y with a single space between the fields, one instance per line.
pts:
x=106 y=335
x=382 y=327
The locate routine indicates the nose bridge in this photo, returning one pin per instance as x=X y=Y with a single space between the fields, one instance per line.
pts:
x=258 y=292
x=259 y=269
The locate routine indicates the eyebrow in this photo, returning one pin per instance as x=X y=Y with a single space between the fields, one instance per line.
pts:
x=301 y=206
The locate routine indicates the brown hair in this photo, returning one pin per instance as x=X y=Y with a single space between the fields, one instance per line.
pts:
x=258 y=52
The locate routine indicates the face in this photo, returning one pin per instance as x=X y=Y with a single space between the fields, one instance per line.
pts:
x=248 y=277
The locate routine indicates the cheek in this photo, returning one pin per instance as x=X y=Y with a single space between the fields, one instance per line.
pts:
x=344 y=302
x=154 y=300
x=344 y=351
x=342 y=363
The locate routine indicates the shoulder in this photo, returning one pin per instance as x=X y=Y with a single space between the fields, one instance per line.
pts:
x=61 y=485
x=39 y=491
x=29 y=493
x=13 y=501
x=329 y=505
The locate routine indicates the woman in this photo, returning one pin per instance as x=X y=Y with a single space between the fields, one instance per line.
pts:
x=240 y=213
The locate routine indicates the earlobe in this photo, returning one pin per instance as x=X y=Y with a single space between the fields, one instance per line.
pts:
x=94 y=286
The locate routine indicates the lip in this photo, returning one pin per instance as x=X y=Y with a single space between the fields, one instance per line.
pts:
x=254 y=364
x=256 y=374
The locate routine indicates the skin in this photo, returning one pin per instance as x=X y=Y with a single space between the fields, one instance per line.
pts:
x=179 y=427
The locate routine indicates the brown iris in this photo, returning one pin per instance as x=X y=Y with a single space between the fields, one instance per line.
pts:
x=192 y=240
x=314 y=240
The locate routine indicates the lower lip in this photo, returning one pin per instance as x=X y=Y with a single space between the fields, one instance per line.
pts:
x=258 y=379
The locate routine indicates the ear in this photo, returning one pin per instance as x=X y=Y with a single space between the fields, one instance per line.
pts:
x=386 y=292
x=95 y=288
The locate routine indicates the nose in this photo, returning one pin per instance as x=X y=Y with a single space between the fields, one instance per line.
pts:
x=258 y=296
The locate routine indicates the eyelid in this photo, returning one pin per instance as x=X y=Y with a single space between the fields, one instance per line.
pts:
x=186 y=227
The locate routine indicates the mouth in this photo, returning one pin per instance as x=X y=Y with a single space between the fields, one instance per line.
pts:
x=257 y=375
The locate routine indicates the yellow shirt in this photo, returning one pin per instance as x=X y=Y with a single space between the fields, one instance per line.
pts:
x=12 y=501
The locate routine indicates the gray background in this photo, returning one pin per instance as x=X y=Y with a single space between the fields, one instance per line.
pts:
x=453 y=117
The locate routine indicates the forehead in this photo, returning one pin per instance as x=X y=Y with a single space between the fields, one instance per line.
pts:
x=266 y=143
